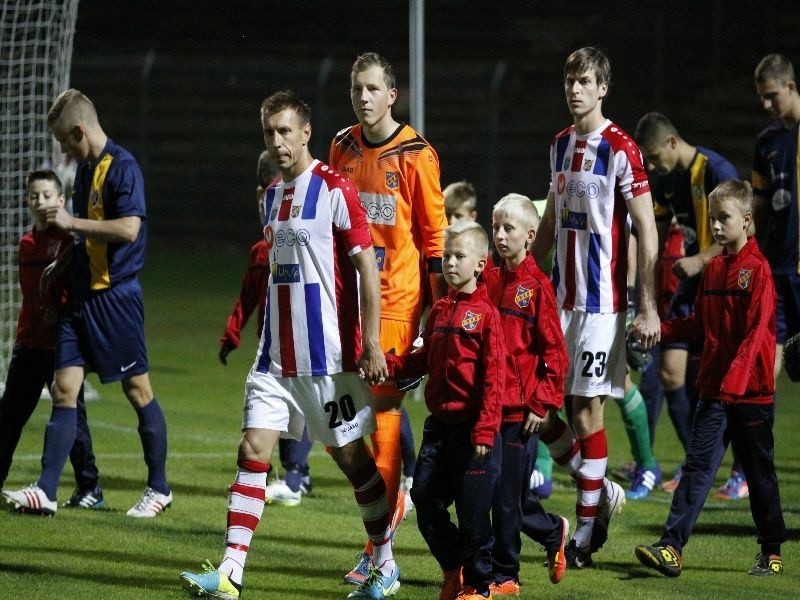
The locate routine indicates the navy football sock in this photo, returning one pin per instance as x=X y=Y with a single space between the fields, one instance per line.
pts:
x=59 y=435
x=153 y=433
x=680 y=414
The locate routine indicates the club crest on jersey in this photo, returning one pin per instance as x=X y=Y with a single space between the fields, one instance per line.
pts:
x=523 y=297
x=744 y=278
x=587 y=164
x=470 y=320
x=566 y=163
x=295 y=210
x=392 y=180
x=94 y=199
x=273 y=213
x=269 y=236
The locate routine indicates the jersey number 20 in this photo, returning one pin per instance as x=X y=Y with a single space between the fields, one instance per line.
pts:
x=345 y=406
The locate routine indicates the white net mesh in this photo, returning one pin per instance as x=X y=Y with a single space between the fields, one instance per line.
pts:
x=35 y=60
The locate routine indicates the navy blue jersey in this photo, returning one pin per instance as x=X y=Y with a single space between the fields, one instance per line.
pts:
x=108 y=188
x=775 y=174
x=685 y=194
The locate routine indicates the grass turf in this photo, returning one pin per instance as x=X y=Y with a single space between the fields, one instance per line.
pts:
x=302 y=552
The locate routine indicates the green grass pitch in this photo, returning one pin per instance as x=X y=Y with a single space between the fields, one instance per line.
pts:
x=301 y=553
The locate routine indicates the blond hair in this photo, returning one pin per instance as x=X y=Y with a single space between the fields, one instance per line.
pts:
x=70 y=108
x=459 y=194
x=521 y=207
x=774 y=66
x=475 y=232
x=738 y=192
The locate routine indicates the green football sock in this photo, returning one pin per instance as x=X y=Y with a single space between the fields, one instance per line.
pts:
x=634 y=416
x=544 y=462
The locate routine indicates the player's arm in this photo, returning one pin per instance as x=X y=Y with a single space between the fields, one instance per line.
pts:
x=429 y=217
x=120 y=230
x=545 y=235
x=438 y=285
x=646 y=324
x=689 y=266
x=372 y=363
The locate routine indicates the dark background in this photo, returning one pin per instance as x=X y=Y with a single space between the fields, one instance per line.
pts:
x=180 y=84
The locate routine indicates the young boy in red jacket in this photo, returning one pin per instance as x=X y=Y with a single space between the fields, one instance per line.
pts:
x=464 y=355
x=536 y=362
x=734 y=315
x=44 y=295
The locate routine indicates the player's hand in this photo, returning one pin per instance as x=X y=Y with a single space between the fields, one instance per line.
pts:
x=687 y=267
x=372 y=366
x=532 y=424
x=482 y=451
x=647 y=329
x=224 y=350
x=58 y=216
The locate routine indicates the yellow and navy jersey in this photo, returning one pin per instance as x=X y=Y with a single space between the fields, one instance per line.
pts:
x=685 y=195
x=398 y=184
x=776 y=171
x=108 y=188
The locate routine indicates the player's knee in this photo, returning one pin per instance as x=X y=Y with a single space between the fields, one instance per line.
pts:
x=351 y=457
x=64 y=396
x=137 y=390
x=257 y=447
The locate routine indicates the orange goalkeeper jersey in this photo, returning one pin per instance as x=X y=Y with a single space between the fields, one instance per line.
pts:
x=398 y=183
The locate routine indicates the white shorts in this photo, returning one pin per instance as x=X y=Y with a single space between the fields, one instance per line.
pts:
x=596 y=351
x=336 y=408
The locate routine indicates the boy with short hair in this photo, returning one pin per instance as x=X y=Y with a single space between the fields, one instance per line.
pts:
x=536 y=362
x=33 y=358
x=463 y=353
x=459 y=202
x=734 y=315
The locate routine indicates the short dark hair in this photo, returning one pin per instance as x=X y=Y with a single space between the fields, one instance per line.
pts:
x=652 y=128
x=287 y=99
x=368 y=60
x=45 y=175
x=586 y=59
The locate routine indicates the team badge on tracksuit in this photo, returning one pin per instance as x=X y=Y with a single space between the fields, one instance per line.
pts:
x=470 y=320
x=523 y=297
x=744 y=278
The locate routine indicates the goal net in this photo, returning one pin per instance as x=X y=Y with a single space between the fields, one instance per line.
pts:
x=35 y=60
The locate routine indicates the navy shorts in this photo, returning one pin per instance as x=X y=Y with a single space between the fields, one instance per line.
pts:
x=787 y=311
x=105 y=333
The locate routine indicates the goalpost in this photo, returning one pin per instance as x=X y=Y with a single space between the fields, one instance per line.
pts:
x=35 y=61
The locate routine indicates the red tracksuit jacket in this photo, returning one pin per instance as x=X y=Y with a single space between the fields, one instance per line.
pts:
x=536 y=356
x=253 y=294
x=734 y=316
x=38 y=317
x=464 y=354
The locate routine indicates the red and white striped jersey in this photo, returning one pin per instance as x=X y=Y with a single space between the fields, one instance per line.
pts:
x=313 y=225
x=592 y=177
